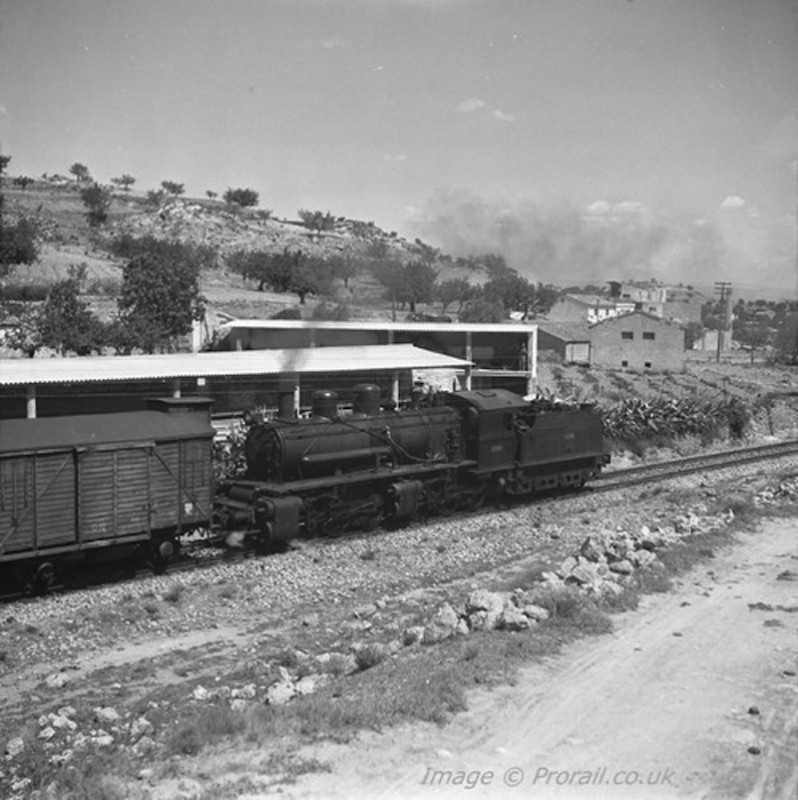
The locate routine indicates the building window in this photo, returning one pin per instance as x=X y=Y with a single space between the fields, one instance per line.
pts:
x=650 y=335
x=627 y=335
x=624 y=363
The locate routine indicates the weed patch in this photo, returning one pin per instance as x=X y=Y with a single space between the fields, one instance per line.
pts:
x=569 y=605
x=206 y=727
x=174 y=592
x=693 y=549
x=370 y=655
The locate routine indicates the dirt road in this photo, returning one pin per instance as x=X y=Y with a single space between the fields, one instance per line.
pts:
x=693 y=695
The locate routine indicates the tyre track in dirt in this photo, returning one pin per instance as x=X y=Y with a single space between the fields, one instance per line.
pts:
x=667 y=695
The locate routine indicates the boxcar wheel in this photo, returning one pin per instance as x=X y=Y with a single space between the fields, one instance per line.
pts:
x=162 y=553
x=42 y=581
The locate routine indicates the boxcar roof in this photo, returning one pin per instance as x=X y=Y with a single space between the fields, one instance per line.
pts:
x=95 y=429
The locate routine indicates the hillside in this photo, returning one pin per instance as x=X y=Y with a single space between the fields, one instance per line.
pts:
x=67 y=240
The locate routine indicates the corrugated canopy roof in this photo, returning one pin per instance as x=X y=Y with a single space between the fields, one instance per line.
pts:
x=382 y=325
x=366 y=358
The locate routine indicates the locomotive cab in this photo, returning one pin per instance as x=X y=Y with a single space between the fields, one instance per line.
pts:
x=489 y=422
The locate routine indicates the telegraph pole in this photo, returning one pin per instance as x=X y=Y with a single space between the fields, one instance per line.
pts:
x=724 y=289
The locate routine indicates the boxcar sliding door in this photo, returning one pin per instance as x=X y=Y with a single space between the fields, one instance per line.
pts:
x=114 y=492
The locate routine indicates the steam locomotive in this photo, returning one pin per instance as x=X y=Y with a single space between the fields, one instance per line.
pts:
x=331 y=473
x=94 y=488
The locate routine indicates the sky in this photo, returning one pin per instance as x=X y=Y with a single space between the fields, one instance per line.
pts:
x=584 y=140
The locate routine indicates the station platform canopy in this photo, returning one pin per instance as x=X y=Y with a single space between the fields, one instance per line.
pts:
x=24 y=371
x=291 y=362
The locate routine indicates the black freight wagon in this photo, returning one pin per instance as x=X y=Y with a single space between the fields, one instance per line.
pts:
x=82 y=488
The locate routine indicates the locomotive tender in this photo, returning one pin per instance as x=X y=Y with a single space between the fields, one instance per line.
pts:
x=97 y=487
x=331 y=473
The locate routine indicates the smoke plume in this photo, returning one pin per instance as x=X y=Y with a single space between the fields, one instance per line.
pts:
x=564 y=244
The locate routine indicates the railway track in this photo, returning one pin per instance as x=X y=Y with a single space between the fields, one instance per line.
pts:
x=200 y=556
x=651 y=473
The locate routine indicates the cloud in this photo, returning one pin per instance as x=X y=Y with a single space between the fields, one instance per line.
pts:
x=732 y=201
x=502 y=116
x=334 y=43
x=623 y=213
x=472 y=104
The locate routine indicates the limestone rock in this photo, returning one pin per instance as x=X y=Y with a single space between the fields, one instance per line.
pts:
x=107 y=715
x=14 y=747
x=441 y=626
x=623 y=567
x=56 y=681
x=413 y=635
x=278 y=694
x=513 y=619
x=536 y=613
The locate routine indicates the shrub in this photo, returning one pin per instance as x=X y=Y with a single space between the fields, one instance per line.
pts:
x=155 y=197
x=174 y=592
x=173 y=188
x=97 y=200
x=369 y=655
x=24 y=292
x=333 y=313
x=229 y=454
x=287 y=313
x=241 y=197
x=570 y=605
x=66 y=323
x=634 y=420
x=18 y=244
x=482 y=310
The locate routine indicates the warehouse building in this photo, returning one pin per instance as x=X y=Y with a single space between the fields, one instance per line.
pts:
x=639 y=341
x=570 y=341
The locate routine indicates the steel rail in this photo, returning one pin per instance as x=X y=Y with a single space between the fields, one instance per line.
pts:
x=708 y=462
